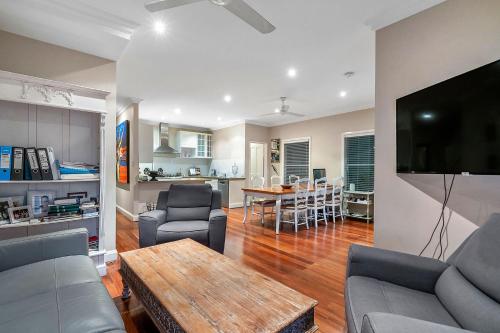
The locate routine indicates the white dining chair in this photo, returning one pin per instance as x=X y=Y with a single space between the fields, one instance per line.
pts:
x=318 y=203
x=297 y=212
x=335 y=200
x=262 y=203
x=275 y=181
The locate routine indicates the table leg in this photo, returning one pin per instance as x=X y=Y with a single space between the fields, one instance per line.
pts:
x=278 y=214
x=245 y=207
x=126 y=290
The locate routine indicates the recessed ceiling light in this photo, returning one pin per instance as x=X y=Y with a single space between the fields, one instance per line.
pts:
x=219 y=118
x=177 y=111
x=228 y=98
x=292 y=72
x=277 y=110
x=160 y=27
x=343 y=93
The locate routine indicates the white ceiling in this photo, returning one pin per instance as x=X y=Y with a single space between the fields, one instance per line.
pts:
x=206 y=53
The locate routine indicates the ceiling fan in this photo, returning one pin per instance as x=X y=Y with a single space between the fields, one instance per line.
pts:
x=284 y=110
x=238 y=7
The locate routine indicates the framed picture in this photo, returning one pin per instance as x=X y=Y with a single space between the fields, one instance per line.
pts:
x=39 y=202
x=5 y=204
x=79 y=195
x=122 y=153
x=20 y=214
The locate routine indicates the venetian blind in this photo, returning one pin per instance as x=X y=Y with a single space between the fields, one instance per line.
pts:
x=296 y=161
x=359 y=162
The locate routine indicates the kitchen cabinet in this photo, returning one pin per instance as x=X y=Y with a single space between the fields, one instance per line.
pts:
x=204 y=148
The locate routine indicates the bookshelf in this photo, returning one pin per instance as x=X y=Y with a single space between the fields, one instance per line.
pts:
x=36 y=112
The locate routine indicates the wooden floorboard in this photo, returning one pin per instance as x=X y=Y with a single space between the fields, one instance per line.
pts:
x=312 y=262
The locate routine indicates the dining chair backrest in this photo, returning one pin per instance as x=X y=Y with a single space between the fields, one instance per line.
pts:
x=320 y=189
x=292 y=179
x=257 y=181
x=301 y=193
x=338 y=186
x=275 y=181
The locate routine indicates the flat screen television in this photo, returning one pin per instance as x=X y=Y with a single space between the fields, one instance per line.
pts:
x=452 y=127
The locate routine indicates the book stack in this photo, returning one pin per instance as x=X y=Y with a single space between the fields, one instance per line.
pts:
x=64 y=210
x=93 y=243
x=78 y=170
x=89 y=209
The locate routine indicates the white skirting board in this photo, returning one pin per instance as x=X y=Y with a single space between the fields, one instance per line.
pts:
x=236 y=205
x=110 y=256
x=128 y=214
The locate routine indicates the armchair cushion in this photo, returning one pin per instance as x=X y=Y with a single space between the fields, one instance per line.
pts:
x=196 y=230
x=189 y=202
x=390 y=323
x=365 y=295
x=403 y=269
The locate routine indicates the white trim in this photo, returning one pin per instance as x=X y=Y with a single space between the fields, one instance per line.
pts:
x=265 y=152
x=101 y=269
x=110 y=256
x=282 y=154
x=350 y=135
x=127 y=214
x=236 y=205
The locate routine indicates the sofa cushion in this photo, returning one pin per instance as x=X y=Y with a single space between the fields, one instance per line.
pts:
x=58 y=295
x=471 y=308
x=366 y=295
x=188 y=214
x=171 y=231
x=478 y=258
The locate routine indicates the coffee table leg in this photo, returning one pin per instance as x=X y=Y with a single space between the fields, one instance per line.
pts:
x=126 y=290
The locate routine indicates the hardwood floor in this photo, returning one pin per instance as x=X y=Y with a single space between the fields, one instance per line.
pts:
x=311 y=261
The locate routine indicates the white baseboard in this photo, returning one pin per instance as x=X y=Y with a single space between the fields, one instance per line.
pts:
x=236 y=205
x=110 y=255
x=102 y=270
x=128 y=214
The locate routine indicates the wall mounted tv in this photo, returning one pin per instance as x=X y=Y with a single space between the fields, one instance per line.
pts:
x=452 y=127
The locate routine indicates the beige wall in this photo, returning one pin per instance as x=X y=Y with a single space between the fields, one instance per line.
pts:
x=229 y=148
x=125 y=193
x=439 y=43
x=30 y=57
x=326 y=137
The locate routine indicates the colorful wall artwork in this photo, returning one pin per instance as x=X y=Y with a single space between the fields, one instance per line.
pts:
x=122 y=153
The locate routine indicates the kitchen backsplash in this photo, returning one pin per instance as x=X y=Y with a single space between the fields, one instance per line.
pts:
x=226 y=166
x=173 y=165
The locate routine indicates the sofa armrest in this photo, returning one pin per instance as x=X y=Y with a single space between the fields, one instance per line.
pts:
x=148 y=226
x=27 y=250
x=399 y=268
x=217 y=230
x=391 y=323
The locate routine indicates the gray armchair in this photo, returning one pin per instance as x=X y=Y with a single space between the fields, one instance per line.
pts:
x=392 y=292
x=185 y=211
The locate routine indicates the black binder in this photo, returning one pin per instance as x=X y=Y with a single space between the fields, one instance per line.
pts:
x=17 y=163
x=43 y=160
x=32 y=164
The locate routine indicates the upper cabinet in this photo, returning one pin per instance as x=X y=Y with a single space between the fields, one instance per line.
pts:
x=194 y=144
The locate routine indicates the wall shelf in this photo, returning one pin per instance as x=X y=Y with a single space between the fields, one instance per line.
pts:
x=62 y=181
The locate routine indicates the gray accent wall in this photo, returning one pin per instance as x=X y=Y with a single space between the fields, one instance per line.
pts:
x=434 y=45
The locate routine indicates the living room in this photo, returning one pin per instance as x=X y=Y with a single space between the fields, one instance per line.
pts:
x=230 y=166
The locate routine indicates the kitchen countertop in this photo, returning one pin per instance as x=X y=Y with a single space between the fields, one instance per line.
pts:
x=192 y=178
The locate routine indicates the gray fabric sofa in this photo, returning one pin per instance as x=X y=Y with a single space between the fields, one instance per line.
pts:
x=185 y=211
x=392 y=292
x=49 y=284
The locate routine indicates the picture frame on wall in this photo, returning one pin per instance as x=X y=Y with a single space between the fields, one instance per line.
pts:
x=5 y=204
x=20 y=214
x=122 y=152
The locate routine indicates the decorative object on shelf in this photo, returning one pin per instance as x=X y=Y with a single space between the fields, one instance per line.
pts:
x=20 y=214
x=78 y=195
x=5 y=204
x=39 y=202
x=122 y=152
x=153 y=175
x=234 y=169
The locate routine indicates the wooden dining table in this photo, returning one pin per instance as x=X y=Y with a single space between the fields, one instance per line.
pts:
x=272 y=193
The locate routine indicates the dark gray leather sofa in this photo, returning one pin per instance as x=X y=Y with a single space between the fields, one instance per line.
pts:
x=49 y=284
x=185 y=211
x=392 y=292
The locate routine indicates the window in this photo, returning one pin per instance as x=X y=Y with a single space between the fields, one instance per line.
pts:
x=359 y=161
x=296 y=159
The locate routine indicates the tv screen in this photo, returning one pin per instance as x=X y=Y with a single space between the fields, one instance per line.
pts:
x=452 y=127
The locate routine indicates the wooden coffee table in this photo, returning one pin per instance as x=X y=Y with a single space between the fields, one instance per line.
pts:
x=187 y=287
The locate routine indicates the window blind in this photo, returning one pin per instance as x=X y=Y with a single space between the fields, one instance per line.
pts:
x=296 y=159
x=359 y=162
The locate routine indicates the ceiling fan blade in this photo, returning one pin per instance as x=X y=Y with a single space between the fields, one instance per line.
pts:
x=294 y=114
x=155 y=6
x=241 y=9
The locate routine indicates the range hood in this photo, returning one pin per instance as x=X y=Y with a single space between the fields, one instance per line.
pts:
x=164 y=147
